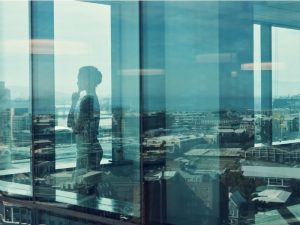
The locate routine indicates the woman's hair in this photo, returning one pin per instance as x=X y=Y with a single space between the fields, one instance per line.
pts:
x=92 y=74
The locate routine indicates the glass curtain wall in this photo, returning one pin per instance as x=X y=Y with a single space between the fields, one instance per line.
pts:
x=220 y=113
x=149 y=112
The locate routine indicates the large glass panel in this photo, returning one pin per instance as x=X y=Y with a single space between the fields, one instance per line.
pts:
x=270 y=168
x=285 y=67
x=181 y=112
x=97 y=163
x=15 y=99
x=214 y=72
x=199 y=98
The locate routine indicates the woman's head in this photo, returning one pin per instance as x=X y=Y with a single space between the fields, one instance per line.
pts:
x=89 y=77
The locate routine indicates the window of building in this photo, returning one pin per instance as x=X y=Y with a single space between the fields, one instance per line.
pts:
x=15 y=94
x=285 y=57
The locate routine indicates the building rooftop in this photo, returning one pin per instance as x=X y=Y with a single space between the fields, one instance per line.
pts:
x=215 y=152
x=275 y=217
x=272 y=217
x=272 y=196
x=271 y=172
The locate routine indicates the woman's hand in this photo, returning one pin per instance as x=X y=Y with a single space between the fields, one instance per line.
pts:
x=75 y=97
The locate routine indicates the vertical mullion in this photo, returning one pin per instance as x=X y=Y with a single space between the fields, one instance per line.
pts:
x=266 y=83
x=32 y=107
x=43 y=106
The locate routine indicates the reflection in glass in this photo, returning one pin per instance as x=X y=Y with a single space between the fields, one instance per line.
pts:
x=286 y=104
x=78 y=128
x=220 y=122
x=15 y=102
x=97 y=129
x=84 y=120
x=196 y=102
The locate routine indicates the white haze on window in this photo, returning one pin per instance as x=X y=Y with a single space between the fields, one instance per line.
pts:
x=14 y=59
x=82 y=33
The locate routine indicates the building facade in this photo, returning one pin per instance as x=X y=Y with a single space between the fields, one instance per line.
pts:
x=149 y=112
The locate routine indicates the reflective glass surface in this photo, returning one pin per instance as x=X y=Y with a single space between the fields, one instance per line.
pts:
x=97 y=161
x=15 y=103
x=149 y=112
x=285 y=100
x=220 y=112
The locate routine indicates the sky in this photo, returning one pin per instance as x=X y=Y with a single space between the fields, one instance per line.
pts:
x=83 y=37
x=286 y=51
x=80 y=40
x=86 y=40
x=14 y=59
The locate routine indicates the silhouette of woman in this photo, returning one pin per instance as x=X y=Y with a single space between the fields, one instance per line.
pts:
x=83 y=118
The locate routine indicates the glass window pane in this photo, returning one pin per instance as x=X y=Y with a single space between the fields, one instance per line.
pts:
x=15 y=94
x=97 y=107
x=285 y=55
x=181 y=112
x=194 y=101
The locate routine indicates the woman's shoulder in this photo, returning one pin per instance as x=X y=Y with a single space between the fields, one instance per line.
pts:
x=89 y=100
x=88 y=97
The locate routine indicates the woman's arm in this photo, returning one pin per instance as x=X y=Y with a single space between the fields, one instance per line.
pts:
x=71 y=117
x=85 y=115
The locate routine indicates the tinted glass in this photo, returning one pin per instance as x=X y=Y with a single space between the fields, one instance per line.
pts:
x=15 y=103
x=220 y=122
x=150 y=112
x=97 y=107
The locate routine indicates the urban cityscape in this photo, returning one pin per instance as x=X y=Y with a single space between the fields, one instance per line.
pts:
x=149 y=112
x=226 y=163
